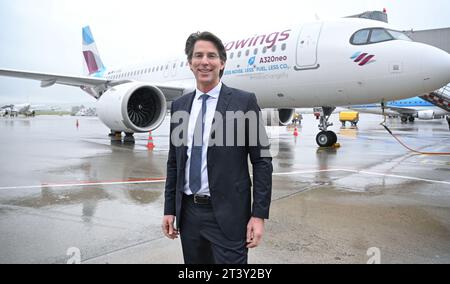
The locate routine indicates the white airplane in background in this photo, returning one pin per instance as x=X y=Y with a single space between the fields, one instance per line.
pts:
x=408 y=109
x=14 y=110
x=325 y=63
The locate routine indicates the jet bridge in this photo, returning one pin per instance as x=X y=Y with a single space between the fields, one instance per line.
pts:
x=440 y=98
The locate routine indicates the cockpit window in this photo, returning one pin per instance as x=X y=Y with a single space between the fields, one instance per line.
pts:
x=361 y=37
x=375 y=35
x=399 y=35
x=379 y=35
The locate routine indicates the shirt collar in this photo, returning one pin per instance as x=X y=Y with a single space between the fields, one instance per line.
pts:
x=213 y=93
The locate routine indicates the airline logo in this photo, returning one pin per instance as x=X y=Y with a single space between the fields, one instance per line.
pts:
x=251 y=61
x=267 y=40
x=363 y=58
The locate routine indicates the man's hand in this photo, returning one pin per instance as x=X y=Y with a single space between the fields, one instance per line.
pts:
x=255 y=230
x=167 y=227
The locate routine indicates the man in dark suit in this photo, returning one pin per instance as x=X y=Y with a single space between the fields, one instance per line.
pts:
x=208 y=184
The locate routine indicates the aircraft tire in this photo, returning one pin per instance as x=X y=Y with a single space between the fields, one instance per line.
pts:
x=326 y=138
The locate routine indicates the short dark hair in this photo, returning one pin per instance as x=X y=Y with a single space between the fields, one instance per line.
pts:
x=207 y=36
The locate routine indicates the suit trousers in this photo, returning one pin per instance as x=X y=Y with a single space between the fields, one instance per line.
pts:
x=202 y=239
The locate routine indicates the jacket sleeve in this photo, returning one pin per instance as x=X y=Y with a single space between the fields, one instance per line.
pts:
x=262 y=164
x=171 y=176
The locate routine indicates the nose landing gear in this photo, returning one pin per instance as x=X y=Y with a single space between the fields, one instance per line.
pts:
x=325 y=138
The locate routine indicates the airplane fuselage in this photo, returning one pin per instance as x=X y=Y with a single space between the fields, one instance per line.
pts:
x=312 y=65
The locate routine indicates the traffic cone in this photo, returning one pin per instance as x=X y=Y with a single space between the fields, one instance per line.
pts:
x=296 y=132
x=150 y=144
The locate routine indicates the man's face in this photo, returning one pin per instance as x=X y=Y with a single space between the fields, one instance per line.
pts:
x=206 y=64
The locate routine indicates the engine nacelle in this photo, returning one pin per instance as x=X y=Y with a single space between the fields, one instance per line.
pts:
x=282 y=116
x=132 y=107
x=425 y=114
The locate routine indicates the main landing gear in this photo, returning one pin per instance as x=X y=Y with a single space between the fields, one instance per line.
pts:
x=116 y=136
x=409 y=118
x=325 y=138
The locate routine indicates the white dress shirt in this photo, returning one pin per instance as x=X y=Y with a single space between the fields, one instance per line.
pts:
x=211 y=104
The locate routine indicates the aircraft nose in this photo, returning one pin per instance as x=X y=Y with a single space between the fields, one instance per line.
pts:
x=435 y=68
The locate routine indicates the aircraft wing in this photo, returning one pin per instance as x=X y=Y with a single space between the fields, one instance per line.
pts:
x=92 y=85
x=402 y=110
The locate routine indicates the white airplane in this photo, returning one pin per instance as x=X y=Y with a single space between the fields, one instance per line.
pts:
x=325 y=63
x=14 y=110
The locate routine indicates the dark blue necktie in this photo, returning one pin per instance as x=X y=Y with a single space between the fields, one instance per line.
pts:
x=195 y=170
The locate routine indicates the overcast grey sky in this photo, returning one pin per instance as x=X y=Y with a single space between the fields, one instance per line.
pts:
x=45 y=35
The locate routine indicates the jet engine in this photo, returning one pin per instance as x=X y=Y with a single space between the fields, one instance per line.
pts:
x=425 y=114
x=281 y=117
x=132 y=107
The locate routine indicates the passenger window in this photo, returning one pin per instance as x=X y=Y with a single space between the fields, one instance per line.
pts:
x=274 y=48
x=255 y=52
x=379 y=35
x=232 y=55
x=283 y=47
x=247 y=52
x=264 y=49
x=360 y=37
x=239 y=54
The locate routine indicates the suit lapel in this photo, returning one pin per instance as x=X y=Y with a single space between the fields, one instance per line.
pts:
x=187 y=107
x=189 y=101
x=222 y=106
x=224 y=100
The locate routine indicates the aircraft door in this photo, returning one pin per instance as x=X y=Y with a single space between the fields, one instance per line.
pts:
x=307 y=44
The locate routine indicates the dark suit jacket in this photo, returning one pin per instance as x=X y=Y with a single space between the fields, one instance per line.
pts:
x=228 y=173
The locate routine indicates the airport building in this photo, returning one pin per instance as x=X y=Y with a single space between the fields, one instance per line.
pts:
x=439 y=38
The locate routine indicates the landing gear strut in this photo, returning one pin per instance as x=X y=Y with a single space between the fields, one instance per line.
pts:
x=326 y=138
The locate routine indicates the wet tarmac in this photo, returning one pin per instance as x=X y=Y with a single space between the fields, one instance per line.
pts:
x=64 y=188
